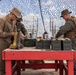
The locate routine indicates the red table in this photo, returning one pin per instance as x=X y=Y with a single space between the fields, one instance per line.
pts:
x=35 y=54
x=74 y=55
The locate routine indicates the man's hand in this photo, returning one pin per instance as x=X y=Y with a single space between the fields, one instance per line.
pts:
x=12 y=33
x=26 y=36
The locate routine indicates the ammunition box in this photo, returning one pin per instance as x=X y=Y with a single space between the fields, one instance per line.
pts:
x=29 y=42
x=66 y=45
x=46 y=44
x=43 y=44
x=61 y=44
x=39 y=44
x=56 y=44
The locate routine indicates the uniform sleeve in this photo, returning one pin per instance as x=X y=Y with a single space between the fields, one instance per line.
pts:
x=24 y=31
x=69 y=25
x=3 y=34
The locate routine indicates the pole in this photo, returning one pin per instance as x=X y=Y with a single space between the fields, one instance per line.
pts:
x=37 y=28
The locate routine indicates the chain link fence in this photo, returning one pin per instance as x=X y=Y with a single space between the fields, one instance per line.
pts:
x=51 y=10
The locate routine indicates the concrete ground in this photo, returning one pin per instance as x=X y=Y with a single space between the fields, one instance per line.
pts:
x=39 y=72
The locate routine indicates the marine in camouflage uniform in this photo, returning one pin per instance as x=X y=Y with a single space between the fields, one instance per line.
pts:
x=21 y=27
x=69 y=29
x=6 y=32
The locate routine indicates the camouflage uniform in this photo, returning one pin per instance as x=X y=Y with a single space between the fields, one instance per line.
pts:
x=69 y=31
x=69 y=25
x=21 y=27
x=5 y=38
x=6 y=30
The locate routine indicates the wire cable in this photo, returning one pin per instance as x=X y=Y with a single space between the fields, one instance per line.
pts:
x=41 y=14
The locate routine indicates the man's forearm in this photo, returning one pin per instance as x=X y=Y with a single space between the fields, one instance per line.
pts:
x=58 y=35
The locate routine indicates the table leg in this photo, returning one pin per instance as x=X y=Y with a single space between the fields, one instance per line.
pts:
x=56 y=62
x=70 y=67
x=8 y=67
x=23 y=62
x=18 y=68
x=61 y=67
x=66 y=73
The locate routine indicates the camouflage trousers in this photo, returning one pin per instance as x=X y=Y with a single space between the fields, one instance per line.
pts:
x=3 y=45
